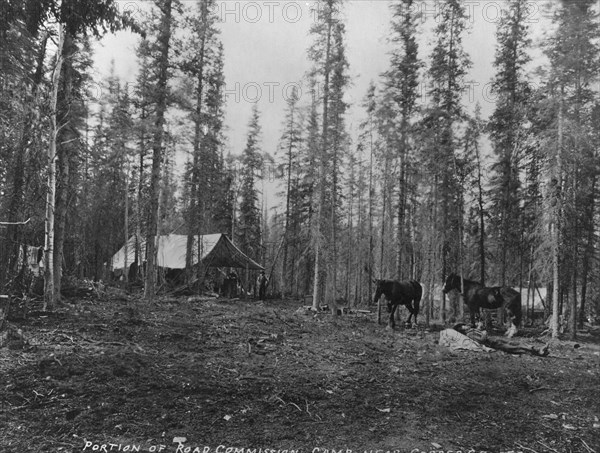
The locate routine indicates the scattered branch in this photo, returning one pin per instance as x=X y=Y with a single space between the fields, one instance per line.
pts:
x=590 y=450
x=525 y=448
x=546 y=446
x=539 y=388
x=14 y=223
x=296 y=406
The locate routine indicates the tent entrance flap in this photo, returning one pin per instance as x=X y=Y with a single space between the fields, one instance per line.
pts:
x=217 y=250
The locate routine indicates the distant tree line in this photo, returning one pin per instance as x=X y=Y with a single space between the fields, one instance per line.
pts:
x=424 y=188
x=418 y=195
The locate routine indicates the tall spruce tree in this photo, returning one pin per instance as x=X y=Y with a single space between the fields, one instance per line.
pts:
x=105 y=171
x=327 y=57
x=201 y=48
x=221 y=184
x=23 y=46
x=290 y=143
x=401 y=83
x=339 y=149
x=307 y=188
x=249 y=224
x=143 y=110
x=162 y=64
x=75 y=21
x=512 y=91
x=387 y=166
x=477 y=224
x=574 y=63
x=368 y=143
x=448 y=68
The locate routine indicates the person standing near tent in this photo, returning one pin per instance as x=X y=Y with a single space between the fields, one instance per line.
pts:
x=232 y=287
x=261 y=283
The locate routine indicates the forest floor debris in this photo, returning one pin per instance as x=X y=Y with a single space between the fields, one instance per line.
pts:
x=213 y=374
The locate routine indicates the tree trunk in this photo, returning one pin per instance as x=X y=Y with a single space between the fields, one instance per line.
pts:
x=61 y=203
x=324 y=144
x=138 y=255
x=530 y=290
x=555 y=223
x=445 y=244
x=193 y=227
x=15 y=207
x=284 y=273
x=49 y=291
x=126 y=228
x=481 y=219
x=588 y=252
x=431 y=255
x=575 y=237
x=157 y=148
x=371 y=239
x=333 y=223
x=573 y=306
x=401 y=203
x=66 y=151
x=192 y=215
x=351 y=241
x=383 y=214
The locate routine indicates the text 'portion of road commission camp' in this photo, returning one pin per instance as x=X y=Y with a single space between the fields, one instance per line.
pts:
x=179 y=447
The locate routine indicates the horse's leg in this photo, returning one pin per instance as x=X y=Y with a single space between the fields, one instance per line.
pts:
x=392 y=323
x=416 y=305
x=411 y=312
x=480 y=320
x=415 y=311
x=512 y=328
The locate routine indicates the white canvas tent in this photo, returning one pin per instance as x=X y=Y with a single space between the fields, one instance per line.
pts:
x=217 y=251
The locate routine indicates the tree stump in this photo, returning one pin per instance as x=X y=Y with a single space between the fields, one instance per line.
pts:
x=8 y=332
x=4 y=305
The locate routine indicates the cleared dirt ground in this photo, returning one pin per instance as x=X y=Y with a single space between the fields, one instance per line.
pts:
x=219 y=376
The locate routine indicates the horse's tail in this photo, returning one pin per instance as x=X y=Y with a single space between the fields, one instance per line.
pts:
x=517 y=310
x=418 y=289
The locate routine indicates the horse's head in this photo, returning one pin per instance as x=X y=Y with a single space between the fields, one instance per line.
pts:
x=378 y=289
x=381 y=286
x=452 y=282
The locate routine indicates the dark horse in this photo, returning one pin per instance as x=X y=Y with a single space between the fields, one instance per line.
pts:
x=399 y=293
x=477 y=296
